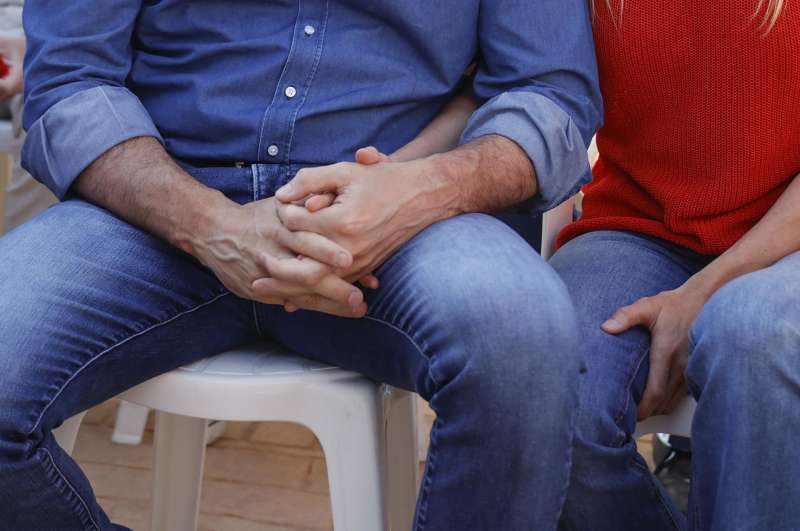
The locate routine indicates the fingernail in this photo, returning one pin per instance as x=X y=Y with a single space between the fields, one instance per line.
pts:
x=285 y=189
x=342 y=260
x=612 y=323
x=354 y=300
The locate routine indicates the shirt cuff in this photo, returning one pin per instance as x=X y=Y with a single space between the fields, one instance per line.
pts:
x=74 y=132
x=546 y=133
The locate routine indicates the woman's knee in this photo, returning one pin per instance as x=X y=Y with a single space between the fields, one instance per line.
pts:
x=748 y=332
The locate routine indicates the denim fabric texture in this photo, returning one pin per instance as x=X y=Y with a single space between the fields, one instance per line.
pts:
x=305 y=81
x=468 y=315
x=744 y=370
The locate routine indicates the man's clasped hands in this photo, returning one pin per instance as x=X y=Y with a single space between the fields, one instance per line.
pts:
x=327 y=229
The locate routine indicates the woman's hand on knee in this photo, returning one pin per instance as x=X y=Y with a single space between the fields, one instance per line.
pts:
x=669 y=316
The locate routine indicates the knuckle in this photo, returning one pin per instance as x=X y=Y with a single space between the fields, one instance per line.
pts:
x=351 y=226
x=307 y=277
x=291 y=218
x=266 y=262
x=284 y=236
x=301 y=176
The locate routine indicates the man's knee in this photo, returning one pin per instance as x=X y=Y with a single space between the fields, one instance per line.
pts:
x=506 y=310
x=748 y=333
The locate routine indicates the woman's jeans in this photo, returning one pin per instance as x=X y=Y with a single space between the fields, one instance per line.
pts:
x=468 y=315
x=744 y=370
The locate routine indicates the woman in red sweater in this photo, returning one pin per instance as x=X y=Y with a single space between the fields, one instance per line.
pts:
x=685 y=264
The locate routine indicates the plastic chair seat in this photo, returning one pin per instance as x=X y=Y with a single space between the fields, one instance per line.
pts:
x=367 y=431
x=232 y=385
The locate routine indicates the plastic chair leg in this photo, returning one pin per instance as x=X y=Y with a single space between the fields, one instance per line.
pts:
x=67 y=433
x=402 y=468
x=180 y=446
x=130 y=423
x=350 y=433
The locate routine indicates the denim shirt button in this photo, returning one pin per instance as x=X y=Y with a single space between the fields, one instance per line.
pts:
x=309 y=30
x=272 y=150
x=290 y=92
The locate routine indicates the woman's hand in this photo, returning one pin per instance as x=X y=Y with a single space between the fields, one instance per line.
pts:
x=669 y=316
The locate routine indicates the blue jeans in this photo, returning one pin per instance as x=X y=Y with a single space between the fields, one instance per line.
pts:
x=468 y=315
x=744 y=370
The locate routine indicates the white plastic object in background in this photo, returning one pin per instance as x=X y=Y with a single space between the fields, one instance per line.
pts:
x=679 y=422
x=130 y=424
x=553 y=221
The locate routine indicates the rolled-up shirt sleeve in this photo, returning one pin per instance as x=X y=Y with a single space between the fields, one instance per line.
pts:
x=77 y=106
x=538 y=82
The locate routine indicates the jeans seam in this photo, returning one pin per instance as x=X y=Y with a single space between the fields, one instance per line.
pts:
x=570 y=450
x=629 y=383
x=256 y=320
x=111 y=348
x=658 y=496
x=420 y=349
x=71 y=488
x=256 y=182
x=430 y=468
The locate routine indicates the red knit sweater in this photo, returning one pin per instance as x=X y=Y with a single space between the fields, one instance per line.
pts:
x=702 y=120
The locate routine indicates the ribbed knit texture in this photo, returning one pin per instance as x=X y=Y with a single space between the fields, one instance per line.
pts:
x=702 y=120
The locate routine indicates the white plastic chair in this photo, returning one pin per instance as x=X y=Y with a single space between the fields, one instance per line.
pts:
x=367 y=431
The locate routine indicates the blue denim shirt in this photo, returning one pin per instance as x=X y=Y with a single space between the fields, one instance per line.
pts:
x=304 y=82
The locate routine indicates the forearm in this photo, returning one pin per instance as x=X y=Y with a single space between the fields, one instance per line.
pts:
x=775 y=236
x=485 y=175
x=443 y=132
x=139 y=181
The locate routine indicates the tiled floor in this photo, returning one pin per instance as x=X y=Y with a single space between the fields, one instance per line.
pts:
x=258 y=477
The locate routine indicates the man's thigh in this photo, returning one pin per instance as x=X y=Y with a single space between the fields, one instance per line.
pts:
x=91 y=306
x=604 y=271
x=466 y=291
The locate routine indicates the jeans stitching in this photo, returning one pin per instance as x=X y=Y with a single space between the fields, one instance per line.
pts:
x=71 y=488
x=111 y=348
x=420 y=349
x=656 y=492
x=256 y=320
x=570 y=446
x=629 y=383
x=430 y=468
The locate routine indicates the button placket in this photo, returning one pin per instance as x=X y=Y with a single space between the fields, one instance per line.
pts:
x=301 y=64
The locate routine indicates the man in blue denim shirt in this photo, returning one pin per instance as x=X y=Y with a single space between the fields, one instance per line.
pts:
x=176 y=122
